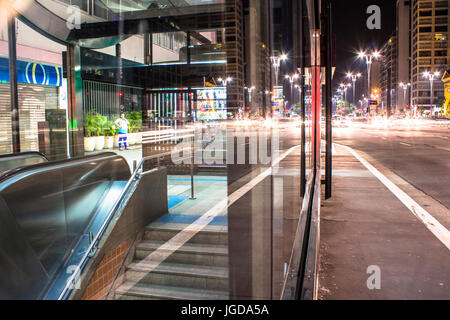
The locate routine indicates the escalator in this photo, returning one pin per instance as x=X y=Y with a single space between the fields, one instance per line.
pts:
x=49 y=214
x=17 y=160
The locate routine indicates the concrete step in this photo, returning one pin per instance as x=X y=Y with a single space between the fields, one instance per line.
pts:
x=166 y=231
x=189 y=253
x=143 y=291
x=181 y=275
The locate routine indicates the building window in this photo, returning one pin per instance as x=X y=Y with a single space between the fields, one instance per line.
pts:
x=440 y=28
x=425 y=29
x=441 y=13
x=440 y=61
x=441 y=4
x=427 y=13
x=424 y=53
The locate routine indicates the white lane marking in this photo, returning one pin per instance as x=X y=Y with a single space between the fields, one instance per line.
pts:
x=154 y=259
x=406 y=144
x=427 y=219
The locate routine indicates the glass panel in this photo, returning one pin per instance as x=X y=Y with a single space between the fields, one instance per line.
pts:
x=187 y=91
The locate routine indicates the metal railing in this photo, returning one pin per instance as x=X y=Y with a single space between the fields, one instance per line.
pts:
x=301 y=279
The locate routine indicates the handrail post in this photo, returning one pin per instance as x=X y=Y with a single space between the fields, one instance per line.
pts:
x=192 y=170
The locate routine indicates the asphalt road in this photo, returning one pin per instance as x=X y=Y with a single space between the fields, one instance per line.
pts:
x=418 y=151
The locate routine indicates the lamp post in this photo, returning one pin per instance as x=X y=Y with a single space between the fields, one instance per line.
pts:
x=369 y=58
x=276 y=62
x=344 y=87
x=250 y=90
x=405 y=87
x=354 y=77
x=431 y=76
x=225 y=81
x=292 y=79
x=299 y=89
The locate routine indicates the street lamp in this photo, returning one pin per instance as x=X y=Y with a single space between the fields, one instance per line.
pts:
x=299 y=89
x=431 y=76
x=225 y=81
x=405 y=87
x=344 y=87
x=369 y=58
x=276 y=62
x=292 y=79
x=354 y=77
x=250 y=90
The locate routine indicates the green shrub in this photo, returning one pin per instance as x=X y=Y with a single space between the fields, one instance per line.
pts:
x=94 y=125
x=110 y=129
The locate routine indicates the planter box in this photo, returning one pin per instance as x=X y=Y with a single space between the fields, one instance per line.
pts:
x=99 y=143
x=109 y=142
x=89 y=144
x=131 y=139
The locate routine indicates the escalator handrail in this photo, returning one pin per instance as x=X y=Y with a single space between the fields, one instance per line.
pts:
x=11 y=173
x=28 y=153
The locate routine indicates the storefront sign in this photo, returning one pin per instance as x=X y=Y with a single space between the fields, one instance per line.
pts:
x=32 y=73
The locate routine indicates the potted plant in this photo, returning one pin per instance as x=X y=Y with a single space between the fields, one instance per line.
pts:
x=90 y=129
x=110 y=132
x=135 y=127
x=100 y=122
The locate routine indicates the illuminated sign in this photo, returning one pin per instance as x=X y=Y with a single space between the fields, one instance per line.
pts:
x=32 y=73
x=211 y=103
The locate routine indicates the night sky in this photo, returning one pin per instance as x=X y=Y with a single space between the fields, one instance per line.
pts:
x=352 y=34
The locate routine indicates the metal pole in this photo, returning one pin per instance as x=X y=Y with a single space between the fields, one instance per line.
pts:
x=276 y=75
x=13 y=85
x=431 y=85
x=404 y=97
x=329 y=111
x=354 y=91
x=369 y=91
x=188 y=46
x=192 y=169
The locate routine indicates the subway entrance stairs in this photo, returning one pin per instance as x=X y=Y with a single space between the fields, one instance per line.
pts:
x=171 y=263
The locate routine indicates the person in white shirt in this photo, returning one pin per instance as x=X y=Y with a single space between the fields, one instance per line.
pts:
x=122 y=125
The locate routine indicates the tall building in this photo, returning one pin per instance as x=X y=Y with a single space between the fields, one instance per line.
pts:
x=403 y=69
x=396 y=73
x=419 y=45
x=429 y=51
x=389 y=75
x=257 y=16
x=286 y=24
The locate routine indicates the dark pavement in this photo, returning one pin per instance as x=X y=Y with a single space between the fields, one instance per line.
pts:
x=365 y=224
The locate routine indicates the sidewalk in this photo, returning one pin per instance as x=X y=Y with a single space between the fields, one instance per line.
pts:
x=364 y=225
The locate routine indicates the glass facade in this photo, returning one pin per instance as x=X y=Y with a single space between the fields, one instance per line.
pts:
x=186 y=93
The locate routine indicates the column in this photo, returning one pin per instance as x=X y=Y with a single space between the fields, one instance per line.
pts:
x=75 y=100
x=13 y=85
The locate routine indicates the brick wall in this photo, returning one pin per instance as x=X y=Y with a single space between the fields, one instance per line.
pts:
x=104 y=275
